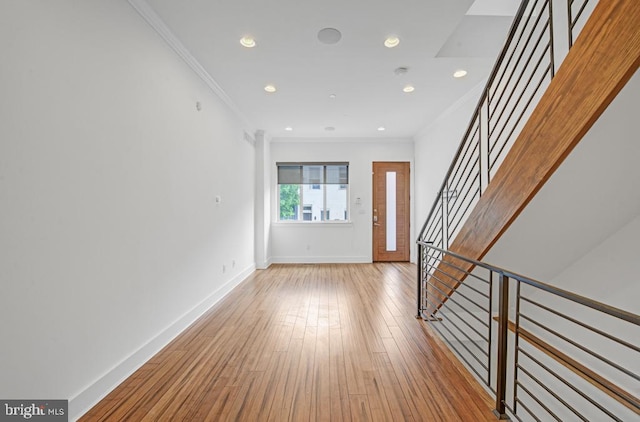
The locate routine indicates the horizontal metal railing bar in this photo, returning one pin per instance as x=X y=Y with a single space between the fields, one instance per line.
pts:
x=466 y=188
x=467 y=273
x=527 y=409
x=548 y=390
x=477 y=193
x=433 y=230
x=481 y=335
x=622 y=396
x=533 y=396
x=519 y=79
x=469 y=203
x=515 y=43
x=524 y=109
x=522 y=92
x=453 y=288
x=582 y=324
x=469 y=365
x=448 y=296
x=454 y=206
x=469 y=142
x=438 y=239
x=583 y=348
x=532 y=74
x=463 y=198
x=565 y=382
x=525 y=67
x=476 y=114
x=475 y=165
x=445 y=317
x=579 y=14
x=517 y=47
x=466 y=158
x=462 y=284
x=437 y=220
x=593 y=304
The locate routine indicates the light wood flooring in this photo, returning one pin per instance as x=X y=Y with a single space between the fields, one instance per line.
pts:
x=305 y=343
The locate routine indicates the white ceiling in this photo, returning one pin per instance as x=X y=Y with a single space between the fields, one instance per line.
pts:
x=437 y=38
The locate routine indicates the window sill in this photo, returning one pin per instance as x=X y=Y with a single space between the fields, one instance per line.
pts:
x=313 y=223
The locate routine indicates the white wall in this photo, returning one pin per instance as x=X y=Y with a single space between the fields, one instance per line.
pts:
x=335 y=242
x=435 y=147
x=611 y=263
x=592 y=195
x=110 y=238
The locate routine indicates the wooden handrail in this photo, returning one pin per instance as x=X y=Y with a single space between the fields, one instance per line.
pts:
x=612 y=390
x=603 y=59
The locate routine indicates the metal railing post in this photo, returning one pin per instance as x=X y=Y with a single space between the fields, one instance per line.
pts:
x=419 y=278
x=503 y=326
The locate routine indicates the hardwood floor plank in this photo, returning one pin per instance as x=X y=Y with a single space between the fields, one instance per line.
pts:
x=321 y=389
x=340 y=409
x=360 y=408
x=398 y=405
x=323 y=343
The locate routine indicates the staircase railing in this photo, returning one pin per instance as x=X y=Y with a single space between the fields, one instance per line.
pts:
x=568 y=357
x=521 y=74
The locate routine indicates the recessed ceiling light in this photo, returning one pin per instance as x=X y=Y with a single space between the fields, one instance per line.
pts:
x=329 y=128
x=270 y=88
x=332 y=96
x=288 y=128
x=408 y=88
x=329 y=36
x=459 y=73
x=382 y=129
x=247 y=41
x=391 y=41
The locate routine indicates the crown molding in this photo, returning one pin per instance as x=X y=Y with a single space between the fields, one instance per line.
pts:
x=155 y=21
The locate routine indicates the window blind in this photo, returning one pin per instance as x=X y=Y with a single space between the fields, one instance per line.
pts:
x=313 y=173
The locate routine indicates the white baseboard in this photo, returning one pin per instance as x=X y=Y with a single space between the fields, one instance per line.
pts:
x=91 y=395
x=264 y=265
x=321 y=260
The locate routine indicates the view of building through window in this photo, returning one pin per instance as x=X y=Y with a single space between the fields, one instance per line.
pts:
x=313 y=192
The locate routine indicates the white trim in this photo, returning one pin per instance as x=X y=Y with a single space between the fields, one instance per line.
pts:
x=385 y=141
x=321 y=260
x=86 y=399
x=156 y=22
x=300 y=223
x=265 y=265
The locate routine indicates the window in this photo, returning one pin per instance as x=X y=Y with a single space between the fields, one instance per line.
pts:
x=307 y=213
x=322 y=188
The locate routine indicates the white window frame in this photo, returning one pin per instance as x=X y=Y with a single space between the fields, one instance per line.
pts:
x=323 y=186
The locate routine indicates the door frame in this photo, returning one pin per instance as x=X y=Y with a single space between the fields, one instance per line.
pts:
x=401 y=256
